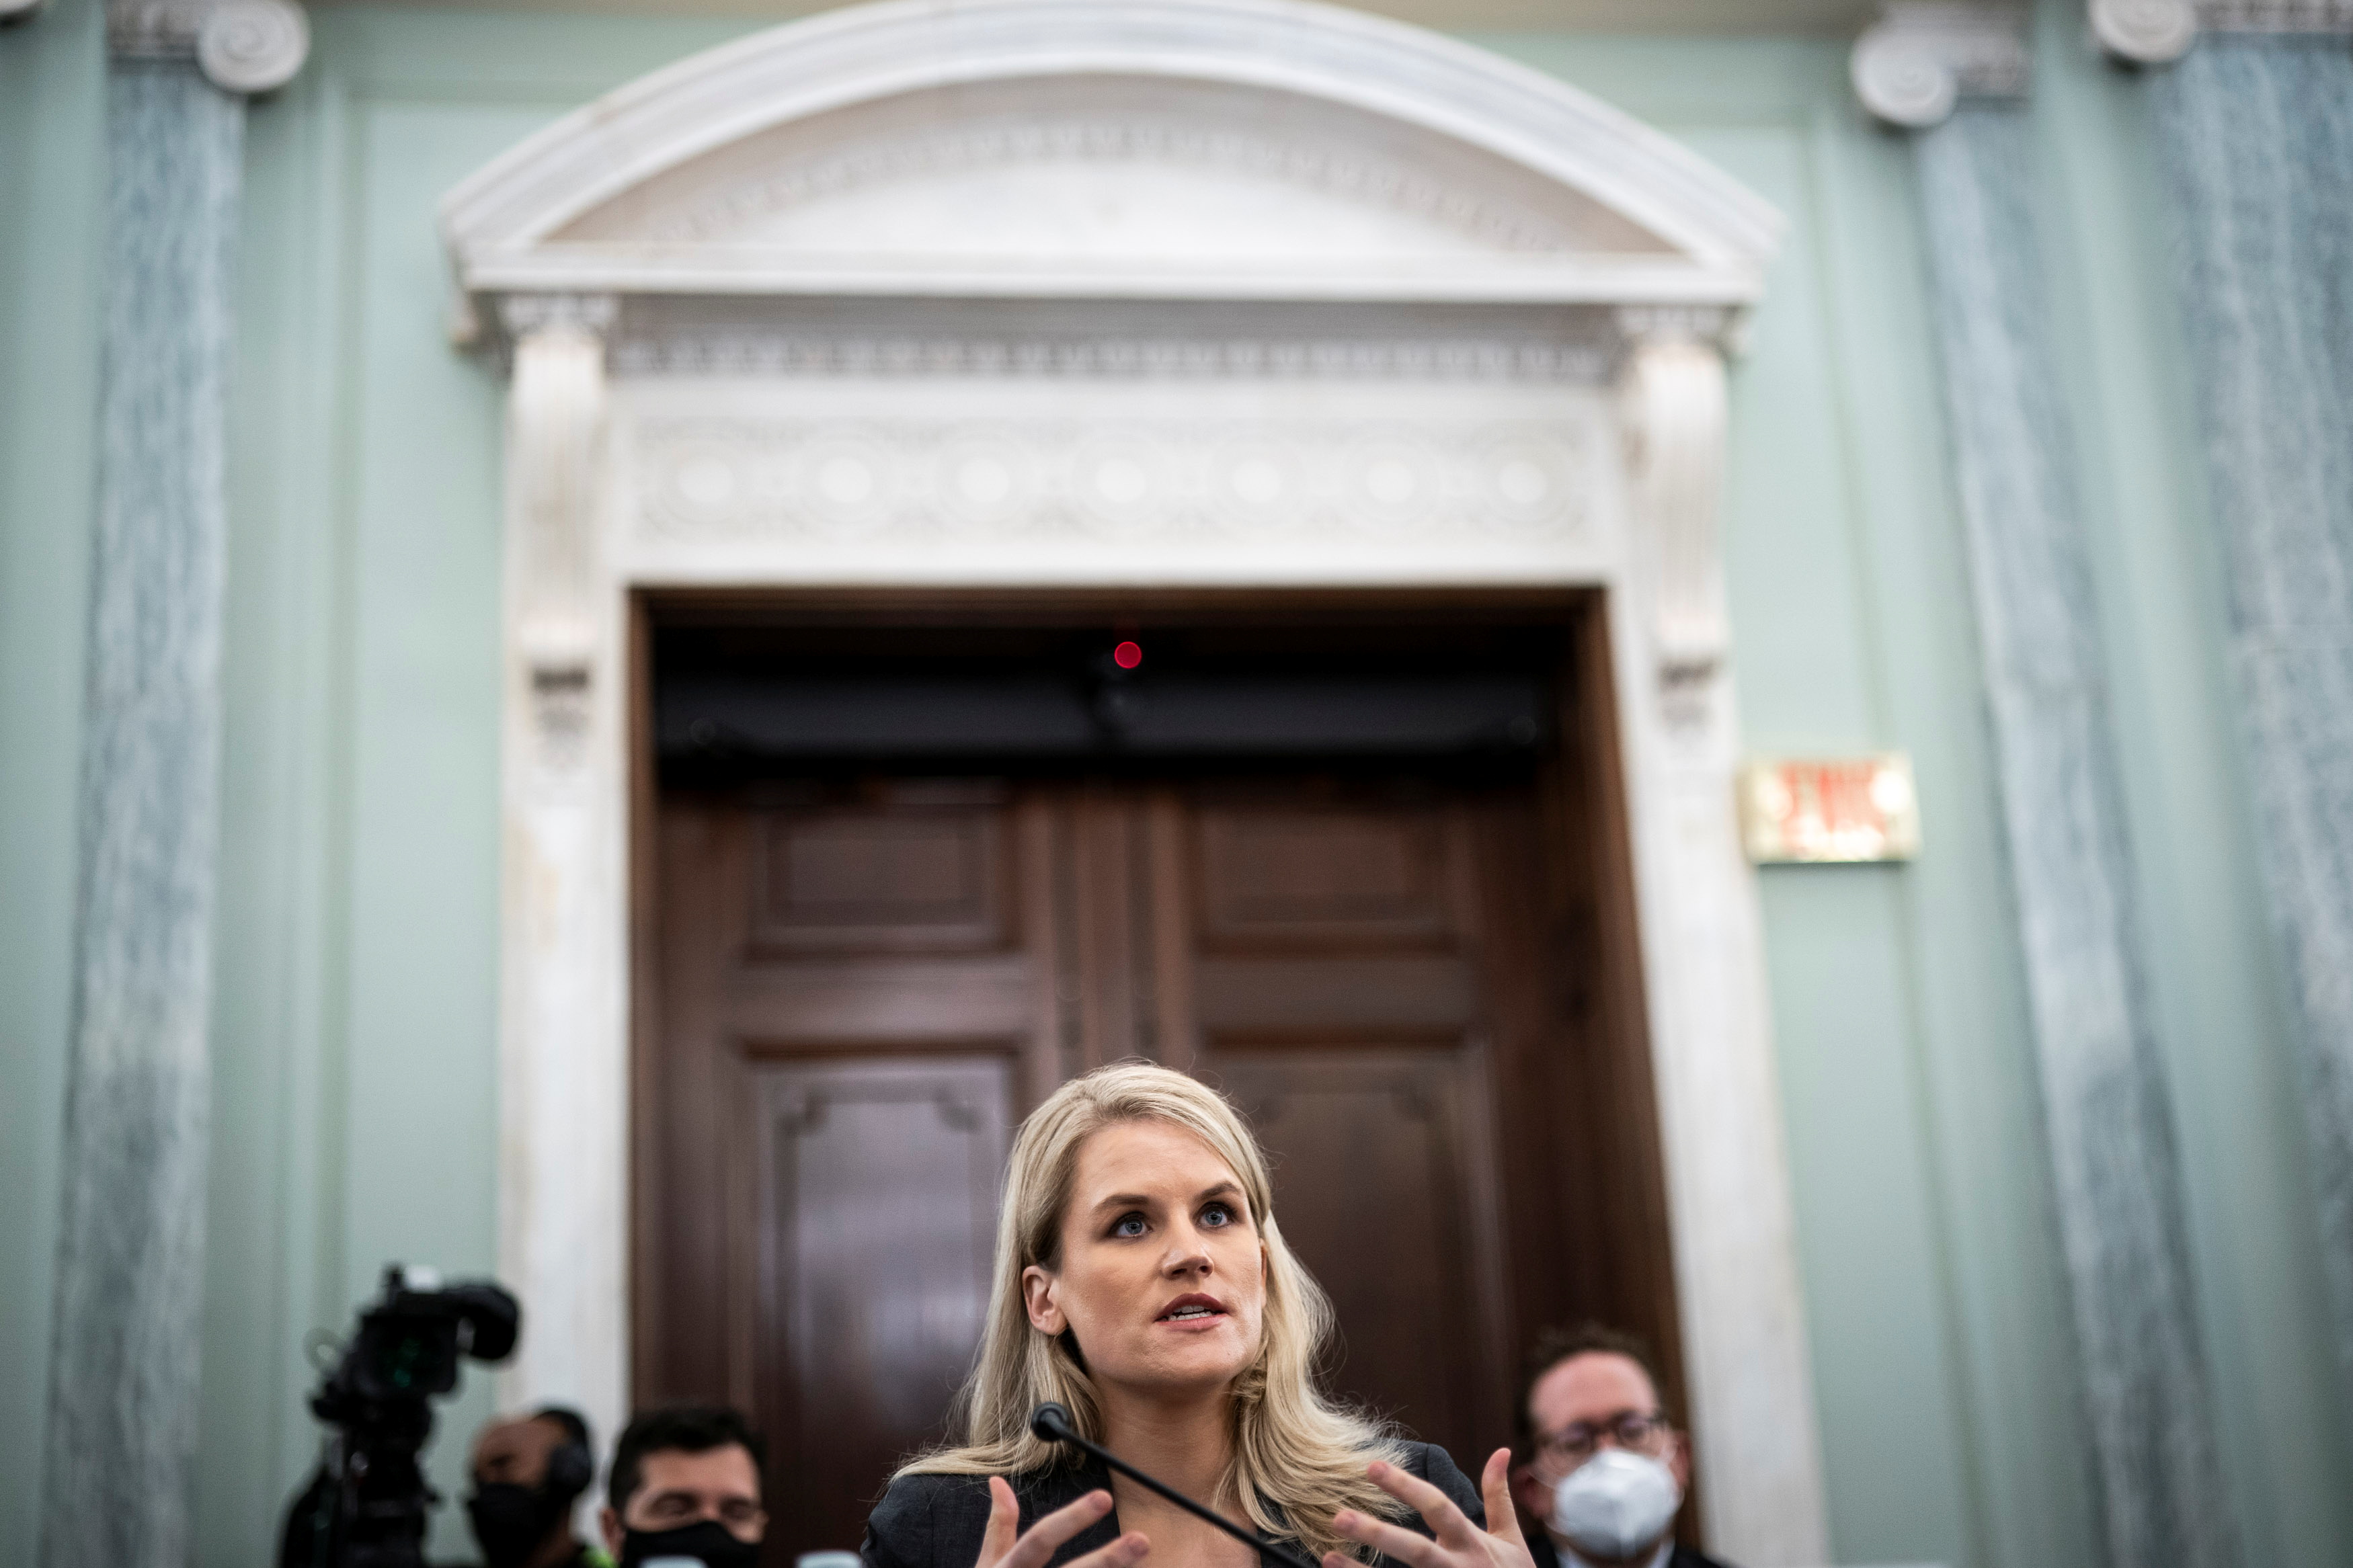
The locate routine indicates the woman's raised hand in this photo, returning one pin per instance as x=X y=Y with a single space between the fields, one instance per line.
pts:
x=1460 y=1543
x=1005 y=1547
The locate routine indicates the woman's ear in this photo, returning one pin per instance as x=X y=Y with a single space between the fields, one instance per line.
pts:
x=1038 y=1295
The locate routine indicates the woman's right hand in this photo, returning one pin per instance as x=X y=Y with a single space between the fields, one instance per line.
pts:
x=1005 y=1547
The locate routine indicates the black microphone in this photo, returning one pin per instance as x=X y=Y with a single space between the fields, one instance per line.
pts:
x=1052 y=1422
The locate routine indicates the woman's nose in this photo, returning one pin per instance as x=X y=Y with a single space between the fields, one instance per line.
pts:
x=1186 y=1254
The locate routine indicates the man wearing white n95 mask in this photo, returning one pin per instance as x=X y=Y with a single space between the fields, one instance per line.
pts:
x=1600 y=1466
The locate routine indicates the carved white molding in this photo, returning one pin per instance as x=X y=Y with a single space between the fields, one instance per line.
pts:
x=913 y=482
x=1373 y=161
x=2159 y=32
x=1912 y=66
x=556 y=411
x=1673 y=416
x=242 y=46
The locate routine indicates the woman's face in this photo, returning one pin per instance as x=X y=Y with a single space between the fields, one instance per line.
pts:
x=1162 y=1279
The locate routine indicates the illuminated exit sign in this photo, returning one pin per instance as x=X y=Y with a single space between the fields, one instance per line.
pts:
x=1830 y=808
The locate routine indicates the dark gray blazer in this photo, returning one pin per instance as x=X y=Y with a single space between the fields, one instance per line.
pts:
x=937 y=1522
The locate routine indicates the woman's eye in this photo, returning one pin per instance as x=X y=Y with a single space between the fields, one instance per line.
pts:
x=1217 y=1215
x=1128 y=1224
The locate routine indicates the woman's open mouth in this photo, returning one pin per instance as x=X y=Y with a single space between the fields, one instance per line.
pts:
x=1192 y=1309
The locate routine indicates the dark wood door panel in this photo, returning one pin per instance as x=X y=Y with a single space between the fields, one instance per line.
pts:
x=1380 y=1159
x=1414 y=992
x=881 y=877
x=1280 y=873
x=874 y=1209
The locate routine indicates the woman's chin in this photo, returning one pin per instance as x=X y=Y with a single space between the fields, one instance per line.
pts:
x=1199 y=1365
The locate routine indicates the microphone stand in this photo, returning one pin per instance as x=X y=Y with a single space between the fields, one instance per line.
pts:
x=1052 y=1422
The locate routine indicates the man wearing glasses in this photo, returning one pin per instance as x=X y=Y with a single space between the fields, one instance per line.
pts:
x=1601 y=1467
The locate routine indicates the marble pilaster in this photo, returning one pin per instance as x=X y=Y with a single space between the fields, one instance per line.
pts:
x=2256 y=137
x=129 y=1279
x=1957 y=76
x=2107 y=1121
x=124 y=1373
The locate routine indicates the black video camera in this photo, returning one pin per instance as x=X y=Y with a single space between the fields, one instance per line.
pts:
x=366 y=1504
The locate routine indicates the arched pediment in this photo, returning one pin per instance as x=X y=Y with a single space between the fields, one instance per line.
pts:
x=1144 y=149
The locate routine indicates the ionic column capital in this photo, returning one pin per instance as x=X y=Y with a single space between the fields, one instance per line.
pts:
x=1912 y=66
x=244 y=47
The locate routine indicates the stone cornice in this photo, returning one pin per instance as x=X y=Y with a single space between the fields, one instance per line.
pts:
x=242 y=46
x=1913 y=65
x=2159 y=32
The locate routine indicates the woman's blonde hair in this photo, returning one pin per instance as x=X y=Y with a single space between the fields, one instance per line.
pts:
x=1299 y=1456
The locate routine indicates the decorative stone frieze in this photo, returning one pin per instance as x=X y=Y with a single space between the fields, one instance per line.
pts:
x=756 y=351
x=242 y=46
x=1917 y=61
x=912 y=480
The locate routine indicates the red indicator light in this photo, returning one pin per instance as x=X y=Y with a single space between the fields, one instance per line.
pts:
x=1127 y=654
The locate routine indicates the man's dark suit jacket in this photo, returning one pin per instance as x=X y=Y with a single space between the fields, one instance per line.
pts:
x=1547 y=1556
x=937 y=1521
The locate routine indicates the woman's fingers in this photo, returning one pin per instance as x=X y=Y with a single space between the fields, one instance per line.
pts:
x=1391 y=1541
x=1043 y=1538
x=1495 y=1486
x=1004 y=1523
x=1448 y=1523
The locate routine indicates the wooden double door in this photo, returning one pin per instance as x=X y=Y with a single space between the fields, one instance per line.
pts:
x=863 y=986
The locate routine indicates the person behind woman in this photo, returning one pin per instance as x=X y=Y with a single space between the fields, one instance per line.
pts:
x=1141 y=1280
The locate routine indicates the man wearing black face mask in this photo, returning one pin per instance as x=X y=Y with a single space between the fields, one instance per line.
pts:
x=528 y=1472
x=685 y=1491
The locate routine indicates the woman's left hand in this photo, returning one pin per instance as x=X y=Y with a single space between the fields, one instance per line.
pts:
x=1460 y=1543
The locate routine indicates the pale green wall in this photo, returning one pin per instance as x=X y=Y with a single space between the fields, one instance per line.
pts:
x=357 y=979
x=52 y=177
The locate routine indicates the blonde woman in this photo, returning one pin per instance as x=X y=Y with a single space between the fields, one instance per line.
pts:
x=1141 y=1280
